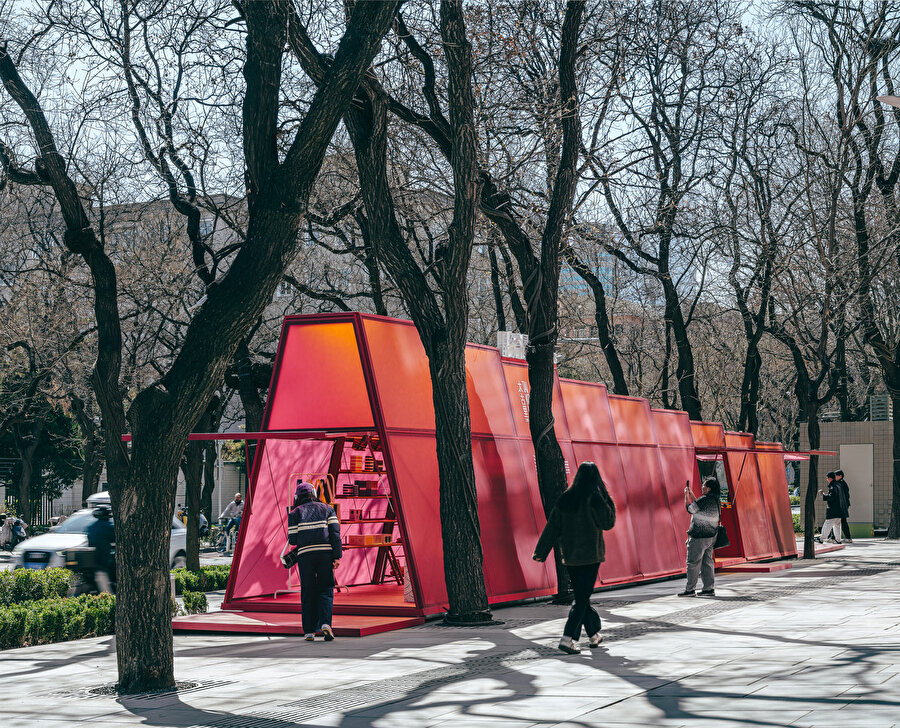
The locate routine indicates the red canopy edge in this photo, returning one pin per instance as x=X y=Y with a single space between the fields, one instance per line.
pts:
x=788 y=454
x=305 y=435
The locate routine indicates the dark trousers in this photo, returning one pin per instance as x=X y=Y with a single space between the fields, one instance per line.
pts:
x=583 y=579
x=316 y=589
x=845 y=528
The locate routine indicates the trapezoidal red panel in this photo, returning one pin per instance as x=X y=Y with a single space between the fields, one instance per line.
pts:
x=707 y=434
x=757 y=539
x=773 y=479
x=319 y=381
x=414 y=460
x=509 y=525
x=587 y=411
x=489 y=406
x=400 y=370
x=621 y=552
x=515 y=372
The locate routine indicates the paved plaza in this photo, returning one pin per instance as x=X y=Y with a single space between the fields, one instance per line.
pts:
x=815 y=645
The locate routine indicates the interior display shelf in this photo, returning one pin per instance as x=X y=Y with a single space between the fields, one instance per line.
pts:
x=359 y=497
x=371 y=546
x=361 y=472
x=368 y=520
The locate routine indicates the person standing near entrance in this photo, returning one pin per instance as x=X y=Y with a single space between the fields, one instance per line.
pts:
x=831 y=529
x=705 y=517
x=577 y=522
x=314 y=530
x=845 y=506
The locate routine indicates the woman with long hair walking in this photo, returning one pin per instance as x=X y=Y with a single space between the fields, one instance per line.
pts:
x=576 y=524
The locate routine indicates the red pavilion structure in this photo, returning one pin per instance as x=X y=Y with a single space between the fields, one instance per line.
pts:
x=350 y=409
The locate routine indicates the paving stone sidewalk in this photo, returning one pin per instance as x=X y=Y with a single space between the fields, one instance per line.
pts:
x=815 y=645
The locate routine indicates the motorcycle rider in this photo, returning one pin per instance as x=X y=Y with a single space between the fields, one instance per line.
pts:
x=101 y=537
x=12 y=531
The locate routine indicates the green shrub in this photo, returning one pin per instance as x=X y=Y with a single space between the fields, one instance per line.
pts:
x=56 y=619
x=798 y=527
x=209 y=578
x=795 y=500
x=26 y=585
x=194 y=602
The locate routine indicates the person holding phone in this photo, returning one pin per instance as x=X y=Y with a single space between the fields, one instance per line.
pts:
x=705 y=517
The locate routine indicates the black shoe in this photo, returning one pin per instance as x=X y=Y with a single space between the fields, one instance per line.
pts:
x=706 y=593
x=686 y=594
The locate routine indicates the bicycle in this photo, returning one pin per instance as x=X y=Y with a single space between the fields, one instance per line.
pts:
x=226 y=538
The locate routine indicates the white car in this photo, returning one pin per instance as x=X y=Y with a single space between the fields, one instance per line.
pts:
x=46 y=551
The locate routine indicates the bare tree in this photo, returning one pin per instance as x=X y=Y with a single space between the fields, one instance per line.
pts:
x=142 y=481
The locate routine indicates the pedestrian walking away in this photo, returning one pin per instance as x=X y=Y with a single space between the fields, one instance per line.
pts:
x=845 y=512
x=834 y=509
x=706 y=514
x=575 y=526
x=315 y=534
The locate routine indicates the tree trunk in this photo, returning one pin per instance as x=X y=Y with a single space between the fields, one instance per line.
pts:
x=684 y=366
x=894 y=526
x=143 y=599
x=812 y=484
x=749 y=416
x=460 y=528
x=209 y=479
x=549 y=460
x=495 y=287
x=192 y=467
x=93 y=449
x=26 y=447
x=251 y=399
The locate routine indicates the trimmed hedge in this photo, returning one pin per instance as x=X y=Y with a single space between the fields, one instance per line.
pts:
x=209 y=578
x=28 y=585
x=195 y=602
x=798 y=527
x=57 y=620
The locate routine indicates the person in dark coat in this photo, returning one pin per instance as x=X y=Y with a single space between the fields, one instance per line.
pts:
x=314 y=531
x=705 y=517
x=845 y=491
x=834 y=500
x=576 y=525
x=101 y=536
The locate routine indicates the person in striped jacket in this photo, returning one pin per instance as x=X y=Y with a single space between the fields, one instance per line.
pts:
x=314 y=530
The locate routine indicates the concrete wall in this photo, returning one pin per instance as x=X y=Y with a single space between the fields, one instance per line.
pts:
x=835 y=434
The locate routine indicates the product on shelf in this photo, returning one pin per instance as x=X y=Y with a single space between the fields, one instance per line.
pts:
x=350 y=489
x=357 y=463
x=370 y=464
x=355 y=514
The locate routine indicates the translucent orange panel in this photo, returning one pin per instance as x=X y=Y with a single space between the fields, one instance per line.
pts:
x=756 y=536
x=775 y=496
x=509 y=525
x=631 y=418
x=708 y=434
x=516 y=373
x=648 y=502
x=402 y=379
x=319 y=381
x=488 y=398
x=587 y=411
x=414 y=458
x=672 y=428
